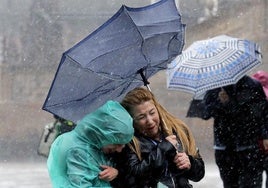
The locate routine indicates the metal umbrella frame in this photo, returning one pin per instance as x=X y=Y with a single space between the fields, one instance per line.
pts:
x=130 y=47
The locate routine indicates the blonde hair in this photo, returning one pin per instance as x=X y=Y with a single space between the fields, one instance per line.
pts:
x=168 y=122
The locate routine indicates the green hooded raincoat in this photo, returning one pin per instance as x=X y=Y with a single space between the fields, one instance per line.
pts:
x=75 y=157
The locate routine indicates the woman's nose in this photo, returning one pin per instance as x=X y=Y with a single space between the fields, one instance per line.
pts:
x=149 y=119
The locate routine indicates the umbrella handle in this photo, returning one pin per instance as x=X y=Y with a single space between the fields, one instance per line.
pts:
x=144 y=79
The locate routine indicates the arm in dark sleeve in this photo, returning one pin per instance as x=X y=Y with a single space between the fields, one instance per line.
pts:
x=197 y=170
x=265 y=121
x=211 y=104
x=195 y=173
x=153 y=162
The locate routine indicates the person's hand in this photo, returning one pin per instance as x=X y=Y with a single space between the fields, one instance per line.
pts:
x=182 y=161
x=173 y=140
x=108 y=173
x=265 y=144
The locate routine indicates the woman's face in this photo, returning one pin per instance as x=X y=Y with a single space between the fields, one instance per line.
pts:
x=146 y=119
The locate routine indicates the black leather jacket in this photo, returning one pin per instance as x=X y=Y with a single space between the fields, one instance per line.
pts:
x=156 y=166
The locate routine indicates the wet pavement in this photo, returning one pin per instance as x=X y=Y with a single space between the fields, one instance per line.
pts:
x=35 y=175
x=24 y=175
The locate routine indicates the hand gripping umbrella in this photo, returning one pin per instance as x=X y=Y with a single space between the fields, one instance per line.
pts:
x=120 y=55
x=212 y=63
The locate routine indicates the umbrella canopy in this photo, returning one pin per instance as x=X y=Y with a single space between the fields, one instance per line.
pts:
x=120 y=55
x=212 y=63
x=196 y=108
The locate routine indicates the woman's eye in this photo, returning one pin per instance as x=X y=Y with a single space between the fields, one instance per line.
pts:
x=140 y=117
x=152 y=112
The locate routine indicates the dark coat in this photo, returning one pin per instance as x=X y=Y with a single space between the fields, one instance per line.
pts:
x=240 y=123
x=156 y=165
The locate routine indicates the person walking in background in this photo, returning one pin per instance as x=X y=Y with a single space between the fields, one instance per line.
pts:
x=63 y=125
x=262 y=77
x=79 y=158
x=240 y=115
x=51 y=132
x=163 y=149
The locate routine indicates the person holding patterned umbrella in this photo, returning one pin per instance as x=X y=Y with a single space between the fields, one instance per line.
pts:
x=240 y=113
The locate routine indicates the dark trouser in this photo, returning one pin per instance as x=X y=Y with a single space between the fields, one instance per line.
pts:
x=265 y=166
x=241 y=169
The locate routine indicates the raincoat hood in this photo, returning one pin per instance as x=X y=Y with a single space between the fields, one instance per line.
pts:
x=109 y=124
x=76 y=157
x=262 y=77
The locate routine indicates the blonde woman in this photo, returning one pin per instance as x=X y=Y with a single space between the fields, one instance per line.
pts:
x=163 y=149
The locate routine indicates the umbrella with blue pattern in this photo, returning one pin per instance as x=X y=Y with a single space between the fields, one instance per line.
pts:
x=212 y=63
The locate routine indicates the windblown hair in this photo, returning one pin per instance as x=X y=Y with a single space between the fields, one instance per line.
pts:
x=168 y=122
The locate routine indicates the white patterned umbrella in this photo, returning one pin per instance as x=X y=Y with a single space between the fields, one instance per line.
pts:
x=212 y=63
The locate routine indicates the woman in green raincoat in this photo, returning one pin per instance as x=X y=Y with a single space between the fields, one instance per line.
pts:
x=79 y=158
